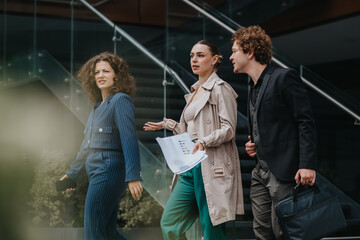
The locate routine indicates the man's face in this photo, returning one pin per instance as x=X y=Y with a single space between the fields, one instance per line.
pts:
x=238 y=58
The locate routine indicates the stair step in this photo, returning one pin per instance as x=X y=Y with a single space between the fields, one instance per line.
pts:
x=247 y=165
x=151 y=91
x=158 y=102
x=156 y=113
x=240 y=230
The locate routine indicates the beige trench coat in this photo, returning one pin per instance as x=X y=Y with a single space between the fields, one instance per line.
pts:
x=216 y=116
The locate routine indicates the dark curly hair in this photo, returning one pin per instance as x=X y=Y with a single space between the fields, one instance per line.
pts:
x=255 y=39
x=123 y=81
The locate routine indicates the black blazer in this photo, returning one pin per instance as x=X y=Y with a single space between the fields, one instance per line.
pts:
x=286 y=125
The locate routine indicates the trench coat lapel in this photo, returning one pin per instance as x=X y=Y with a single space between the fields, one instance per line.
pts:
x=204 y=99
x=208 y=85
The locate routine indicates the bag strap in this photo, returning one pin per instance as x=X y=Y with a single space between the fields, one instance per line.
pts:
x=300 y=188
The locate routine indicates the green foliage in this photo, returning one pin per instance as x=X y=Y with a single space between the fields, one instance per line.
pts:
x=145 y=212
x=54 y=209
x=49 y=207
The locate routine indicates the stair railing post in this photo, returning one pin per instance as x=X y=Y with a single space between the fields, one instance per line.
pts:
x=203 y=23
x=72 y=79
x=165 y=83
x=34 y=43
x=115 y=39
x=4 y=48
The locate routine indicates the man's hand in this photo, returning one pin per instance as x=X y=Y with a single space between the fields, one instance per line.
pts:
x=250 y=148
x=307 y=176
x=136 y=189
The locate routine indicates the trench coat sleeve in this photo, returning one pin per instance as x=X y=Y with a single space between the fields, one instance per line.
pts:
x=300 y=107
x=78 y=165
x=124 y=120
x=227 y=110
x=172 y=125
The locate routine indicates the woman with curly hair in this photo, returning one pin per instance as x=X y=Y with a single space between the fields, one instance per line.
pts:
x=109 y=152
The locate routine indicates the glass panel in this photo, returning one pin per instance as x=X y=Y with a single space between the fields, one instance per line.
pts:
x=17 y=39
x=93 y=36
x=63 y=45
x=314 y=79
x=187 y=26
x=58 y=80
x=3 y=31
x=246 y=12
x=330 y=89
x=53 y=34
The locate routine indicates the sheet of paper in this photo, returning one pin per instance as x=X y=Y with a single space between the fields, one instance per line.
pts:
x=177 y=151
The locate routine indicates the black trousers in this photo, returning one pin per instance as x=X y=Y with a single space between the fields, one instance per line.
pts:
x=265 y=192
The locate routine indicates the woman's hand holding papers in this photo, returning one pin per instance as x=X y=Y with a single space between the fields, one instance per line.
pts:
x=198 y=146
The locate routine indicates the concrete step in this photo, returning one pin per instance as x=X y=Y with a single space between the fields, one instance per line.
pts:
x=158 y=102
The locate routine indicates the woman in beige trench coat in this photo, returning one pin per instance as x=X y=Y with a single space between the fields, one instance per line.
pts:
x=213 y=188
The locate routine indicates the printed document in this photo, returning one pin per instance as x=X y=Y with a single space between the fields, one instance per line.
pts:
x=177 y=151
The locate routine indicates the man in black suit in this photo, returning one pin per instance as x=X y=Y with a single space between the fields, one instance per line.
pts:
x=282 y=133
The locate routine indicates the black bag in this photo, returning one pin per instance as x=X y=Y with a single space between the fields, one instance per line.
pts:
x=310 y=213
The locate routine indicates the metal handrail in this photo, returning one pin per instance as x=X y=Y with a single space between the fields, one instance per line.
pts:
x=307 y=82
x=138 y=45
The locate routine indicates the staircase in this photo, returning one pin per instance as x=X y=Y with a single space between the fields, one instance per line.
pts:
x=149 y=104
x=330 y=120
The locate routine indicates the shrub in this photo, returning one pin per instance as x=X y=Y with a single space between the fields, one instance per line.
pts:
x=54 y=209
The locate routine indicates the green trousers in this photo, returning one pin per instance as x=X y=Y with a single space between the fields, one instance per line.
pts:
x=186 y=203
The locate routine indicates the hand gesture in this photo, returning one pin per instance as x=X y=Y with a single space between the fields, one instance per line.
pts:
x=250 y=148
x=136 y=189
x=152 y=126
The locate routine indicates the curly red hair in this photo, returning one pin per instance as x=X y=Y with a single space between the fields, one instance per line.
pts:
x=255 y=39
x=123 y=81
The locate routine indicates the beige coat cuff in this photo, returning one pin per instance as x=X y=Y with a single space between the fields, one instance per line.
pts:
x=169 y=124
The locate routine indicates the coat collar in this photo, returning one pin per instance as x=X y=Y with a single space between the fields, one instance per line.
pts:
x=208 y=85
x=267 y=75
x=264 y=85
x=107 y=101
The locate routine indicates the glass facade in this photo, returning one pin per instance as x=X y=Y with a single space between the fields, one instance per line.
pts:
x=53 y=48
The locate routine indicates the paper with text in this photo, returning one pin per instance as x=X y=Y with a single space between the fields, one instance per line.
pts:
x=177 y=151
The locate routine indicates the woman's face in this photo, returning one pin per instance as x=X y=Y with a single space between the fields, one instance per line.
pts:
x=104 y=76
x=201 y=59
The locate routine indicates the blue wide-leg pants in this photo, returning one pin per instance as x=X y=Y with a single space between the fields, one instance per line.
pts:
x=106 y=174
